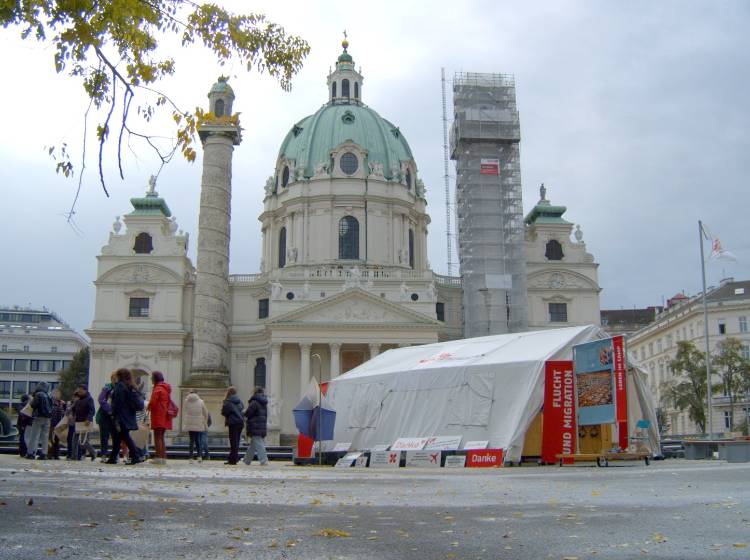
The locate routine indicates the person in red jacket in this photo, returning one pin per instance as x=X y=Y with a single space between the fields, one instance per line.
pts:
x=161 y=420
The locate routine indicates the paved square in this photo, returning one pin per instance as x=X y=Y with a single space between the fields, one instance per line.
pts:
x=672 y=509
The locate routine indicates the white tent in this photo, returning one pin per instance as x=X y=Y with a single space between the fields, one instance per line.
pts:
x=487 y=388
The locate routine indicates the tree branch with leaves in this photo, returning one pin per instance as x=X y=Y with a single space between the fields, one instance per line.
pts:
x=113 y=48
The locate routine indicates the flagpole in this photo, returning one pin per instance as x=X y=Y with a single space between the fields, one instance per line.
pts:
x=709 y=423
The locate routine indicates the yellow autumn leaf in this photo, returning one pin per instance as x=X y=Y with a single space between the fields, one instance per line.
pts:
x=331 y=533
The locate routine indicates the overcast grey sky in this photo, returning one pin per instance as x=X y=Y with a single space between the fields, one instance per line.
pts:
x=634 y=114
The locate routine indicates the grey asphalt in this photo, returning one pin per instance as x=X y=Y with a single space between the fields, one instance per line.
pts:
x=671 y=509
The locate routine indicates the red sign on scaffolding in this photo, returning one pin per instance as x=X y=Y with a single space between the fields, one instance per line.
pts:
x=489 y=167
x=559 y=420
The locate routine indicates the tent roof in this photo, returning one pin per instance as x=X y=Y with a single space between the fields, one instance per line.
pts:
x=533 y=346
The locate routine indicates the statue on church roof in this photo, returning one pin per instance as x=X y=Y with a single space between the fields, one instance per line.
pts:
x=542 y=192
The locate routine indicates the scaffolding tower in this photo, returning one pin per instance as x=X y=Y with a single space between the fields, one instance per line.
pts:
x=485 y=140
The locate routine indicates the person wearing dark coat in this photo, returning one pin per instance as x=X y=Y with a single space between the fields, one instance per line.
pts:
x=58 y=413
x=126 y=401
x=83 y=410
x=22 y=422
x=231 y=410
x=104 y=415
x=41 y=404
x=257 y=421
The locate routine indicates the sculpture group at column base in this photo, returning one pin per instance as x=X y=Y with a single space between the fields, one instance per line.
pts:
x=208 y=378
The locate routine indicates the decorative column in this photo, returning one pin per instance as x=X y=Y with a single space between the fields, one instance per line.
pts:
x=274 y=384
x=218 y=135
x=335 y=348
x=304 y=368
x=374 y=350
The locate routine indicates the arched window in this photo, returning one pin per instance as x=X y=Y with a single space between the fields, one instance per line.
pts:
x=285 y=176
x=411 y=248
x=408 y=178
x=282 y=247
x=259 y=374
x=333 y=90
x=553 y=250
x=344 y=88
x=143 y=244
x=219 y=108
x=348 y=238
x=356 y=90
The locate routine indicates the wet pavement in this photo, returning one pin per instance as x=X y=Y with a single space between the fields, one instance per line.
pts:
x=671 y=509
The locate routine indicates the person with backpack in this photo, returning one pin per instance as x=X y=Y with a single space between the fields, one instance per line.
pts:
x=83 y=411
x=41 y=405
x=161 y=410
x=231 y=410
x=126 y=401
x=58 y=414
x=257 y=420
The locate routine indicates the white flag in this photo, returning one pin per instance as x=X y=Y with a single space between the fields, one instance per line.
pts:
x=717 y=251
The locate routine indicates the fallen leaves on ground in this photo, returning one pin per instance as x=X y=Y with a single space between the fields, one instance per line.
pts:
x=658 y=538
x=332 y=533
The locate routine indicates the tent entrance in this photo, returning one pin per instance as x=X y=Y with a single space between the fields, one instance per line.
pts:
x=591 y=439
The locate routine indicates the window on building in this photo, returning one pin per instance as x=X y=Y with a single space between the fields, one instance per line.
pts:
x=408 y=178
x=34 y=365
x=411 y=248
x=57 y=365
x=745 y=351
x=20 y=365
x=692 y=332
x=282 y=247
x=650 y=349
x=349 y=163
x=553 y=250
x=659 y=345
x=259 y=373
x=727 y=421
x=333 y=89
x=643 y=352
x=4 y=390
x=19 y=389
x=440 y=311
x=263 y=308
x=344 y=88
x=53 y=349
x=558 y=312
x=661 y=372
x=722 y=326
x=285 y=176
x=5 y=347
x=219 y=108
x=356 y=90
x=669 y=341
x=138 y=307
x=684 y=333
x=143 y=244
x=65 y=364
x=348 y=238
x=743 y=324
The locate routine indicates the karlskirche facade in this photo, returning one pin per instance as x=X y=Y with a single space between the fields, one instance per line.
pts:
x=344 y=272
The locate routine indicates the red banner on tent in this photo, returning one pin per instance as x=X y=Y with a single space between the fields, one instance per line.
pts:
x=621 y=390
x=479 y=458
x=559 y=420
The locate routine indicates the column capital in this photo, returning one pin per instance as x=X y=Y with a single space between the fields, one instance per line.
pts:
x=305 y=346
x=334 y=345
x=275 y=346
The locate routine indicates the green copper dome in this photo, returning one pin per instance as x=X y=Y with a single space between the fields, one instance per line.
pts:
x=312 y=139
x=221 y=86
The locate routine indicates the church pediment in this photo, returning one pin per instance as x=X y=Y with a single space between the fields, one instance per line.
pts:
x=560 y=280
x=140 y=274
x=354 y=307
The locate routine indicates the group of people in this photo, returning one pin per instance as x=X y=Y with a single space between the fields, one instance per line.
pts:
x=123 y=411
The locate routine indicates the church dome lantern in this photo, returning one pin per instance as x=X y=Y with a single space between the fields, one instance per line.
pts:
x=220 y=98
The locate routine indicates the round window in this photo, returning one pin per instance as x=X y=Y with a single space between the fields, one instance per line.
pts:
x=290 y=296
x=349 y=163
x=285 y=176
x=414 y=297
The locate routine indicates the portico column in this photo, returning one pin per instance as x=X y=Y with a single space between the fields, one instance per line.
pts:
x=374 y=350
x=304 y=369
x=335 y=366
x=274 y=385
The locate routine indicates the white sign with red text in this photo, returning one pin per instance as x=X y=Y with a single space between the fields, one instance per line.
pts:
x=385 y=459
x=408 y=444
x=423 y=458
x=446 y=443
